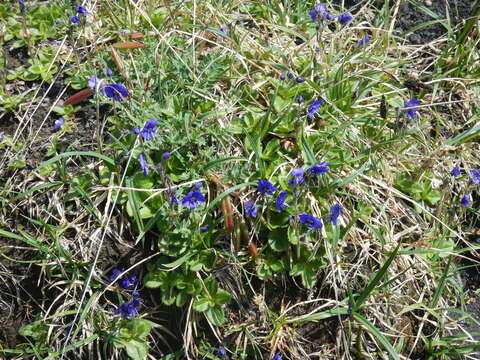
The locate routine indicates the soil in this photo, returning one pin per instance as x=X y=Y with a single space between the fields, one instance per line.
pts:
x=409 y=16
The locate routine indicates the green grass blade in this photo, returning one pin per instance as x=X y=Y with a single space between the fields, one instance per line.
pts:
x=132 y=200
x=441 y=285
x=77 y=153
x=376 y=279
x=378 y=335
x=227 y=192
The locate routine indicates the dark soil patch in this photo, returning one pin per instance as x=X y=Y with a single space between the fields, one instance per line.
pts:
x=471 y=282
x=410 y=16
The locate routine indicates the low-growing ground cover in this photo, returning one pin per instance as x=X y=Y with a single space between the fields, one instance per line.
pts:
x=241 y=180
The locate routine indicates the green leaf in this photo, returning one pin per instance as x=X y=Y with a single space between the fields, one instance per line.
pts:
x=306 y=271
x=212 y=286
x=202 y=304
x=141 y=328
x=378 y=276
x=307 y=152
x=35 y=330
x=182 y=298
x=441 y=285
x=263 y=271
x=132 y=207
x=78 y=153
x=222 y=297
x=309 y=277
x=278 y=240
x=377 y=334
x=292 y=236
x=216 y=315
x=136 y=350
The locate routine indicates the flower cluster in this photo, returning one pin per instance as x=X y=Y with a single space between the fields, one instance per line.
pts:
x=148 y=131
x=128 y=282
x=57 y=125
x=21 y=3
x=320 y=13
x=411 y=106
x=81 y=11
x=298 y=79
x=310 y=221
x=277 y=356
x=314 y=107
x=143 y=164
x=265 y=187
x=363 y=41
x=280 y=201
x=297 y=180
x=250 y=209
x=128 y=309
x=114 y=91
x=474 y=174
x=193 y=199
x=297 y=177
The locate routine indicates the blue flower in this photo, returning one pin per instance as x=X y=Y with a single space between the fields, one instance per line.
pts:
x=297 y=177
x=205 y=228
x=310 y=221
x=193 y=199
x=364 y=40
x=223 y=30
x=465 y=201
x=320 y=12
x=345 y=18
x=280 y=201
x=94 y=82
x=278 y=356
x=116 y=92
x=412 y=107
x=149 y=129
x=21 y=3
x=166 y=155
x=143 y=164
x=197 y=186
x=265 y=187
x=115 y=274
x=75 y=20
x=81 y=10
x=1 y=136
x=250 y=209
x=290 y=75
x=475 y=176
x=313 y=15
x=129 y=282
x=299 y=80
x=335 y=212
x=129 y=309
x=314 y=107
x=455 y=171
x=174 y=199
x=299 y=99
x=319 y=169
x=221 y=352
x=108 y=72
x=282 y=77
x=57 y=125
